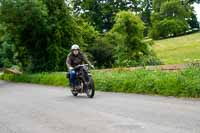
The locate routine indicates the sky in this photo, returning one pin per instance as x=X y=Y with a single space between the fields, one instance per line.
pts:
x=197 y=9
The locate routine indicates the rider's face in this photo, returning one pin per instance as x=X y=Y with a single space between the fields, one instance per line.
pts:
x=75 y=51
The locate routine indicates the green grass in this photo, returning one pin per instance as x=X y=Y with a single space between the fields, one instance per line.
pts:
x=181 y=83
x=178 y=50
x=55 y=79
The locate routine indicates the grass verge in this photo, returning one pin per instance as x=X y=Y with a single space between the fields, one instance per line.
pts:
x=184 y=83
x=55 y=79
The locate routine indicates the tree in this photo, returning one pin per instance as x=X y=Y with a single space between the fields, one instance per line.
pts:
x=6 y=48
x=26 y=21
x=62 y=33
x=193 y=22
x=157 y=4
x=146 y=16
x=102 y=52
x=192 y=19
x=127 y=35
x=43 y=31
x=101 y=13
x=192 y=1
x=169 y=19
x=173 y=9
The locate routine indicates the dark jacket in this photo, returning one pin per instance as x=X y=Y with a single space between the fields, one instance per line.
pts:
x=73 y=60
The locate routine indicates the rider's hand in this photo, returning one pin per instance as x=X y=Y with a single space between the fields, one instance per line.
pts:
x=71 y=68
x=92 y=66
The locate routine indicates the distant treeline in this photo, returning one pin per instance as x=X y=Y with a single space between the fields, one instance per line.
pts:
x=37 y=35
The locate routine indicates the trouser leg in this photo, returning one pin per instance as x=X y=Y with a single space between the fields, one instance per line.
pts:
x=73 y=77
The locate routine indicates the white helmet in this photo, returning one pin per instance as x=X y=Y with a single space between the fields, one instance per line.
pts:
x=75 y=46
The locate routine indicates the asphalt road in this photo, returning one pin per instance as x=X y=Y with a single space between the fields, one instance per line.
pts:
x=26 y=108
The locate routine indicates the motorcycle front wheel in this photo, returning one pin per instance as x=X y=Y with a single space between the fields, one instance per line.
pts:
x=74 y=93
x=90 y=91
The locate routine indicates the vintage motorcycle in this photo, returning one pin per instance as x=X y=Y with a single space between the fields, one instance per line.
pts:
x=84 y=81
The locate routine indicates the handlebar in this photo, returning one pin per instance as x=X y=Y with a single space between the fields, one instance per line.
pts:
x=82 y=65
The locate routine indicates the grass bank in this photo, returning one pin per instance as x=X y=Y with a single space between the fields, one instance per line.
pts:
x=55 y=79
x=184 y=83
x=178 y=50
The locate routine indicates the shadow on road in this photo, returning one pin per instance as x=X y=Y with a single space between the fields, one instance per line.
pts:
x=72 y=98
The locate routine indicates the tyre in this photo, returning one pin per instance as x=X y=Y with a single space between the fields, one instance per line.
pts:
x=90 y=90
x=74 y=93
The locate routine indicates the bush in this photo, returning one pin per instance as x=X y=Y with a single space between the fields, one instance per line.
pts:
x=181 y=83
x=43 y=32
x=56 y=79
x=169 y=19
x=102 y=53
x=126 y=37
x=6 y=51
x=169 y=27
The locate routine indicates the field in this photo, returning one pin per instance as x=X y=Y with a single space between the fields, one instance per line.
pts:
x=179 y=50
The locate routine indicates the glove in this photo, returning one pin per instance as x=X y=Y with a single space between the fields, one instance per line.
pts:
x=71 y=68
x=92 y=66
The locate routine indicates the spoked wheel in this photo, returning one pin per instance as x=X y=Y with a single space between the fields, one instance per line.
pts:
x=75 y=90
x=90 y=91
x=74 y=93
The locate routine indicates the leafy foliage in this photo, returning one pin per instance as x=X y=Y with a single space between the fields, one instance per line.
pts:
x=193 y=22
x=169 y=27
x=181 y=84
x=6 y=48
x=102 y=52
x=101 y=13
x=26 y=21
x=38 y=34
x=127 y=35
x=43 y=32
x=169 y=19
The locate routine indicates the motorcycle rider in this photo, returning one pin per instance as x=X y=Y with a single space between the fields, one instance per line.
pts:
x=74 y=58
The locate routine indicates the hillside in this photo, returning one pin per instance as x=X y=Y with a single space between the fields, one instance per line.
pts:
x=178 y=50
